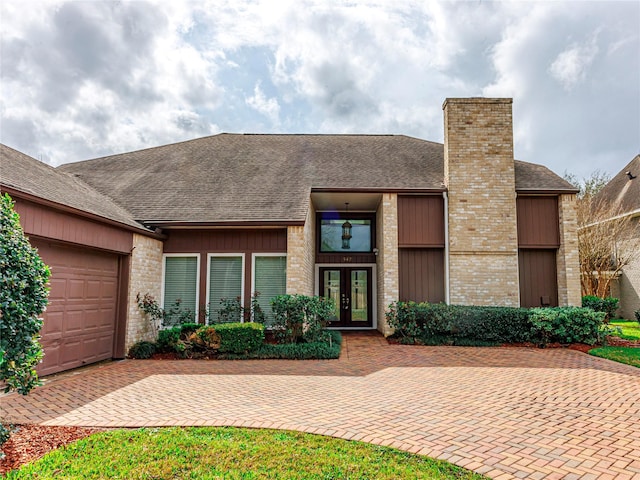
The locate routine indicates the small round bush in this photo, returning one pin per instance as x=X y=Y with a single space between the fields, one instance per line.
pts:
x=142 y=350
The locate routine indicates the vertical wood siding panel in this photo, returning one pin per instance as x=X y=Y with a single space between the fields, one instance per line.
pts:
x=421 y=274
x=421 y=220
x=538 y=277
x=538 y=222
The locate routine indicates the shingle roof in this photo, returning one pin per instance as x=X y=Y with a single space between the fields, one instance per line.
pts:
x=621 y=191
x=26 y=174
x=254 y=178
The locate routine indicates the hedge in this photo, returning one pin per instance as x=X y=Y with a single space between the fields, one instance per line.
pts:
x=240 y=337
x=452 y=323
x=440 y=324
x=321 y=350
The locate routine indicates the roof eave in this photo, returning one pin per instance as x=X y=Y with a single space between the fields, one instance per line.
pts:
x=16 y=193
x=169 y=224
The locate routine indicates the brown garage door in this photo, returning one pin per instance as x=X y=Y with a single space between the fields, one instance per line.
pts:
x=79 y=322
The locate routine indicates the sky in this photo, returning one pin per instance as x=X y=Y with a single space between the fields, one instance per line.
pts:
x=84 y=79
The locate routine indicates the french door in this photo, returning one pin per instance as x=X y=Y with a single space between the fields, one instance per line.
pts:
x=350 y=289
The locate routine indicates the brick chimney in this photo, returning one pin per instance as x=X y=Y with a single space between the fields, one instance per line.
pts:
x=480 y=179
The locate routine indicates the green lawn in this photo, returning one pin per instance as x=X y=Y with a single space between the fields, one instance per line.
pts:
x=630 y=329
x=628 y=355
x=230 y=453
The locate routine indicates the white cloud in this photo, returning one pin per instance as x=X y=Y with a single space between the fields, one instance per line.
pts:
x=570 y=66
x=268 y=107
x=82 y=79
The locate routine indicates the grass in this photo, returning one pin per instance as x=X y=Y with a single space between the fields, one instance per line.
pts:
x=230 y=453
x=628 y=355
x=630 y=330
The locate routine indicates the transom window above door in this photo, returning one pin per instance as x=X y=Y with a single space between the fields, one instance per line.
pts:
x=345 y=232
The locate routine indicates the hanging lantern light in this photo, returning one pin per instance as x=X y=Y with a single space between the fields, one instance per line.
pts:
x=346 y=231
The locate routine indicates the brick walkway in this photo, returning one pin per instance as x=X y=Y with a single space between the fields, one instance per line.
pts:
x=507 y=413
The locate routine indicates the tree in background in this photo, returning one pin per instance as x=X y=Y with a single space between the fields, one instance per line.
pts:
x=607 y=238
x=23 y=297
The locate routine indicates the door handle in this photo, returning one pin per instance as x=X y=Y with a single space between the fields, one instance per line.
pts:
x=345 y=302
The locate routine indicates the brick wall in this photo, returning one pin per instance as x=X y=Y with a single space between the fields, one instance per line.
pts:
x=567 y=260
x=627 y=286
x=387 y=260
x=145 y=277
x=480 y=178
x=301 y=251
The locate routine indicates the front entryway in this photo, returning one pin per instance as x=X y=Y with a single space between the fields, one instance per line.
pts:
x=350 y=288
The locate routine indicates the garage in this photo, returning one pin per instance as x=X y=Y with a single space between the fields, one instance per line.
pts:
x=80 y=320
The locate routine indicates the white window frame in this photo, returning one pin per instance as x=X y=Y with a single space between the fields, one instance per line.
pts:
x=253 y=269
x=242 y=279
x=164 y=268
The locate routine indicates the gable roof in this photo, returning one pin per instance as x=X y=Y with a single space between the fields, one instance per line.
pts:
x=236 y=178
x=25 y=174
x=621 y=191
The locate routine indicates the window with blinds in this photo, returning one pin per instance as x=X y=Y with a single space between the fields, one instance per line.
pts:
x=225 y=282
x=180 y=288
x=270 y=280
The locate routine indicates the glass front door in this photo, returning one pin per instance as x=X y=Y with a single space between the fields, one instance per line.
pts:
x=350 y=289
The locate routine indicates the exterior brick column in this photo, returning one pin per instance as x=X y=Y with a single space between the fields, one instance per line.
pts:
x=568 y=261
x=301 y=253
x=388 y=282
x=145 y=277
x=480 y=178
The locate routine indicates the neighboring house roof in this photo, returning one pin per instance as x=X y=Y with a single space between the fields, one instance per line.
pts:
x=25 y=174
x=623 y=192
x=237 y=178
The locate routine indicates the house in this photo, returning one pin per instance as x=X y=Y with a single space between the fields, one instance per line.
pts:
x=363 y=219
x=622 y=195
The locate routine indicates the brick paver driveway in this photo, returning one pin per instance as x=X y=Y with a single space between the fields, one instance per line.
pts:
x=508 y=413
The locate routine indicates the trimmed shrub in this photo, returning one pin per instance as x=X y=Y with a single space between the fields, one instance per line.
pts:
x=321 y=350
x=607 y=305
x=440 y=324
x=23 y=297
x=239 y=337
x=566 y=325
x=637 y=314
x=299 y=318
x=142 y=350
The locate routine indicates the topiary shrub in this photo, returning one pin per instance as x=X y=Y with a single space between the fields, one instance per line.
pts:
x=608 y=305
x=23 y=297
x=142 y=350
x=567 y=325
x=240 y=337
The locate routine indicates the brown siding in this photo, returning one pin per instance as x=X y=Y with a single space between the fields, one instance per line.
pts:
x=222 y=241
x=40 y=221
x=420 y=221
x=245 y=241
x=421 y=274
x=538 y=223
x=538 y=278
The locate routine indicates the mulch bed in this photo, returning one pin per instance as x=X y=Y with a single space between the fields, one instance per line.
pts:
x=30 y=442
